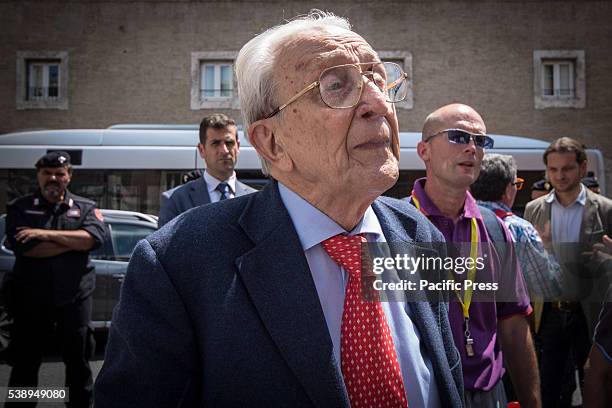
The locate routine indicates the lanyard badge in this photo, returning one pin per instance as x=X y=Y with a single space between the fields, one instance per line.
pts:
x=467 y=294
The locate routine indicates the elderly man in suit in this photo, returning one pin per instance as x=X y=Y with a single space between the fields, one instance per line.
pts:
x=219 y=147
x=256 y=301
x=572 y=220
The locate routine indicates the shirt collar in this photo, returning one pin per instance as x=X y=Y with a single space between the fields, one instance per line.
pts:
x=494 y=205
x=581 y=199
x=40 y=200
x=313 y=226
x=470 y=207
x=68 y=201
x=213 y=182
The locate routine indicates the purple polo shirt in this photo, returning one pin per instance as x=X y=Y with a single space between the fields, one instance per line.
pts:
x=482 y=371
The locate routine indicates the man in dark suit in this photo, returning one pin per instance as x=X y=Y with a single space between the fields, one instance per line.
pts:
x=219 y=147
x=256 y=301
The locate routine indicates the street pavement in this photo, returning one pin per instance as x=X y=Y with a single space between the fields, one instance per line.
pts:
x=51 y=374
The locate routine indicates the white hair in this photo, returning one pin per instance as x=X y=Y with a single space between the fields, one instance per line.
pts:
x=256 y=59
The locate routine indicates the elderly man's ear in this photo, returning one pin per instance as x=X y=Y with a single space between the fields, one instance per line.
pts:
x=268 y=145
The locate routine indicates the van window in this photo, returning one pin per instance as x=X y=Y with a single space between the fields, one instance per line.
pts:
x=130 y=190
x=140 y=190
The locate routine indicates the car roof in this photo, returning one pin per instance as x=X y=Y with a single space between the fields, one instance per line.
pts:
x=131 y=217
x=187 y=135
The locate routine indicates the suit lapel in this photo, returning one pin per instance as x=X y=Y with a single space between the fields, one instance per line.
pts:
x=542 y=215
x=276 y=275
x=198 y=192
x=425 y=315
x=591 y=228
x=546 y=214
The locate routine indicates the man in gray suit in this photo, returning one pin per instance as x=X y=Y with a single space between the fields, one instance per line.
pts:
x=219 y=147
x=572 y=220
x=256 y=301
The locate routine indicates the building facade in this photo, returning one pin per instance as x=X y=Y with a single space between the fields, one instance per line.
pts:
x=532 y=68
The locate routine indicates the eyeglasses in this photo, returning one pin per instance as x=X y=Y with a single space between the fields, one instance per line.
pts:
x=519 y=183
x=341 y=86
x=459 y=136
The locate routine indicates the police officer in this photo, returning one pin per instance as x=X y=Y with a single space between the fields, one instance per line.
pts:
x=49 y=290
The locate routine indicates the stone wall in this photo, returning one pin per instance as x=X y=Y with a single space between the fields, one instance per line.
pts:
x=129 y=61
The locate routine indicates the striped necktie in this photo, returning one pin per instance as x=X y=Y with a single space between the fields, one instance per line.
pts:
x=224 y=189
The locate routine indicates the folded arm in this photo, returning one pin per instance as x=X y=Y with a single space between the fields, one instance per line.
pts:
x=54 y=242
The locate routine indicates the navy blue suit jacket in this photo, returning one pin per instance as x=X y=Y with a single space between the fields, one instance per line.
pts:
x=192 y=194
x=218 y=308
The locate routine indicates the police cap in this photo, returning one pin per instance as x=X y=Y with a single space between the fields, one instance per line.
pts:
x=590 y=182
x=541 y=185
x=54 y=159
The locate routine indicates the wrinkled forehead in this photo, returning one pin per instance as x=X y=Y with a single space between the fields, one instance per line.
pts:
x=311 y=51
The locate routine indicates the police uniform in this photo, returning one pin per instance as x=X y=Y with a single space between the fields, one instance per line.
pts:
x=52 y=293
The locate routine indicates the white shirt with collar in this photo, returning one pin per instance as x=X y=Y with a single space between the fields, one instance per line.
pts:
x=330 y=280
x=566 y=222
x=213 y=182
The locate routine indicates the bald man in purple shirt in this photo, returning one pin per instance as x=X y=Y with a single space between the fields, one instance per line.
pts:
x=452 y=147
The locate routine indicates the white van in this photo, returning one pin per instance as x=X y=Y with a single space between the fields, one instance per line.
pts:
x=126 y=167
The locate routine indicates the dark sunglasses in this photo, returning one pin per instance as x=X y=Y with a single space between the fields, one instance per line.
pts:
x=463 y=137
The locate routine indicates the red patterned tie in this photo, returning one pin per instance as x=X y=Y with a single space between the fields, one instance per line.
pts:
x=369 y=364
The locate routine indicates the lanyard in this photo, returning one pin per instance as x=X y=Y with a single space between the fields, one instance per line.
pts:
x=467 y=294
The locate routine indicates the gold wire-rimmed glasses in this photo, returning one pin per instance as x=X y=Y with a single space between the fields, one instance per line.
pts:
x=340 y=86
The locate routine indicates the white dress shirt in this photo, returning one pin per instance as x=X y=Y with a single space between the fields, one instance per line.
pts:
x=213 y=182
x=566 y=222
x=330 y=280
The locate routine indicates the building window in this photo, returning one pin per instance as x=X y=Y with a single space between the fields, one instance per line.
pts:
x=404 y=60
x=559 y=80
x=42 y=79
x=212 y=80
x=216 y=80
